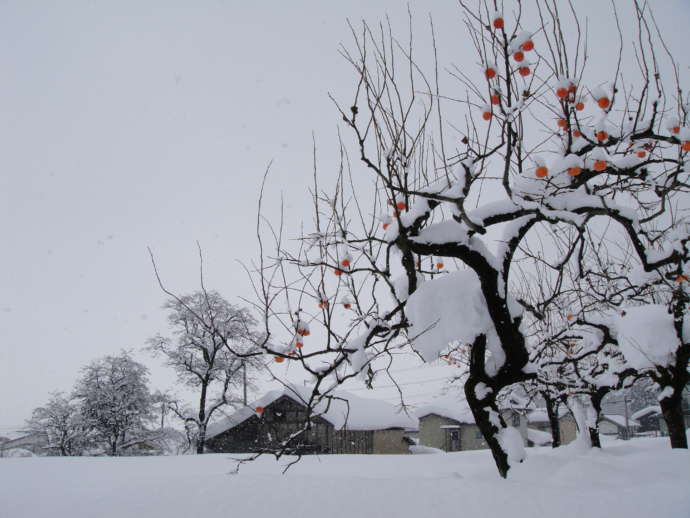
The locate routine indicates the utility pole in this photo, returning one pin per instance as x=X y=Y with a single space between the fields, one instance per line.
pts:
x=244 y=382
x=627 y=420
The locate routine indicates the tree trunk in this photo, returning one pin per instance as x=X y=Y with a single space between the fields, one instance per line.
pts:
x=481 y=410
x=677 y=376
x=672 y=409
x=201 y=441
x=552 y=412
x=596 y=405
x=594 y=437
x=201 y=437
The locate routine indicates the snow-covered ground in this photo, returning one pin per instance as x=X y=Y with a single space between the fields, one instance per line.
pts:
x=640 y=478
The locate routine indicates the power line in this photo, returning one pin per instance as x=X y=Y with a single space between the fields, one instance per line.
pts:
x=409 y=396
x=394 y=385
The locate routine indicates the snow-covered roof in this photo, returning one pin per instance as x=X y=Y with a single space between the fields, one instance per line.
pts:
x=25 y=439
x=459 y=411
x=355 y=414
x=619 y=420
x=539 y=415
x=538 y=437
x=449 y=407
x=10 y=435
x=644 y=412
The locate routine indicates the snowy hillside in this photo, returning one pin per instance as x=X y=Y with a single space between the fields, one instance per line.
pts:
x=641 y=478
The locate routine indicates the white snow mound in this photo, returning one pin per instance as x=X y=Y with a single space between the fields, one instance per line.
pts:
x=646 y=336
x=450 y=308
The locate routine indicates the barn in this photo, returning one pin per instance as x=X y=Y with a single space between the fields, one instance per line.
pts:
x=349 y=424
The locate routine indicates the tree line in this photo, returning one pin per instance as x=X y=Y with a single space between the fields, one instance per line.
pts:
x=111 y=409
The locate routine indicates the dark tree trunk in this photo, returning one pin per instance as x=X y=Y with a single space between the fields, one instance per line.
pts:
x=480 y=410
x=594 y=437
x=672 y=410
x=677 y=376
x=201 y=441
x=596 y=404
x=507 y=327
x=201 y=437
x=552 y=412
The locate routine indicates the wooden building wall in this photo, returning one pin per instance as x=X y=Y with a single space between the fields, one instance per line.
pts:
x=279 y=421
x=284 y=417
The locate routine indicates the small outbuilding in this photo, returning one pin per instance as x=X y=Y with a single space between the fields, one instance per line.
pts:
x=649 y=418
x=538 y=420
x=612 y=424
x=449 y=425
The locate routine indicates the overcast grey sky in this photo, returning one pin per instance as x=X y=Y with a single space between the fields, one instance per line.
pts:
x=131 y=124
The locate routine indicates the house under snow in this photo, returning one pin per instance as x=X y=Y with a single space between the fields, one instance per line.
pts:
x=449 y=428
x=611 y=424
x=349 y=424
x=449 y=425
x=538 y=420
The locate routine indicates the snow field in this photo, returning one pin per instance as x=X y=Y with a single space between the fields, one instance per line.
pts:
x=637 y=479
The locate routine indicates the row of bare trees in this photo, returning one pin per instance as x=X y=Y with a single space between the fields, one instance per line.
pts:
x=111 y=410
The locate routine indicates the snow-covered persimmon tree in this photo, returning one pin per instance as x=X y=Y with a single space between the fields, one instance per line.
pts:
x=415 y=245
x=576 y=357
x=584 y=340
x=641 y=317
x=580 y=367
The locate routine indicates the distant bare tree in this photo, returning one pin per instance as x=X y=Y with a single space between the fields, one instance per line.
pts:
x=207 y=351
x=61 y=421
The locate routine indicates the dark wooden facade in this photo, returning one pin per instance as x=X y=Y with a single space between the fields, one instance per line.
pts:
x=283 y=418
x=649 y=422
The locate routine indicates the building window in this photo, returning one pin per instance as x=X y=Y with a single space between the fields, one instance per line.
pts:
x=516 y=420
x=478 y=435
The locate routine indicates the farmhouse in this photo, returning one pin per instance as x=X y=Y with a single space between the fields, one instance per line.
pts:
x=348 y=424
x=449 y=425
